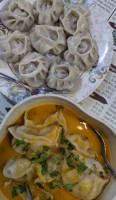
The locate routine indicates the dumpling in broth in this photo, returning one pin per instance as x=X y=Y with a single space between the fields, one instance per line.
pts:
x=47 y=39
x=47 y=11
x=55 y=118
x=82 y=51
x=17 y=168
x=95 y=166
x=83 y=146
x=14 y=46
x=52 y=166
x=89 y=187
x=73 y=20
x=69 y=175
x=48 y=136
x=17 y=15
x=62 y=77
x=33 y=69
x=33 y=128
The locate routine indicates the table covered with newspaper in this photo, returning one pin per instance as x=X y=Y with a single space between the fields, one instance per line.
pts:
x=102 y=102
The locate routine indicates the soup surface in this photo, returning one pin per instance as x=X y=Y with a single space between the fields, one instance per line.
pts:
x=56 y=152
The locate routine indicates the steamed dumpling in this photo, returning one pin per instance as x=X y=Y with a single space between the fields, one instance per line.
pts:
x=47 y=39
x=17 y=168
x=13 y=47
x=82 y=8
x=82 y=51
x=73 y=19
x=62 y=77
x=47 y=11
x=17 y=15
x=33 y=69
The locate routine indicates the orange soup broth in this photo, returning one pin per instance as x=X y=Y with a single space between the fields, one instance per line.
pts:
x=39 y=114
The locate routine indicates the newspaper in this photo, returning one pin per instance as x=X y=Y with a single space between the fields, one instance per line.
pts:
x=102 y=103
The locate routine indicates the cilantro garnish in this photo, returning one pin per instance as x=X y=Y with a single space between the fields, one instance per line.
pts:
x=22 y=142
x=60 y=107
x=62 y=136
x=70 y=147
x=32 y=151
x=14 y=192
x=25 y=148
x=19 y=142
x=90 y=172
x=54 y=183
x=46 y=148
x=68 y=187
x=60 y=157
x=81 y=168
x=44 y=170
x=86 y=138
x=80 y=188
x=62 y=150
x=42 y=157
x=19 y=189
x=69 y=162
x=77 y=158
x=106 y=169
x=81 y=120
x=54 y=173
x=53 y=160
x=94 y=165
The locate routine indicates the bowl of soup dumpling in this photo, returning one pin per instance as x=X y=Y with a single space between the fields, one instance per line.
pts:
x=47 y=141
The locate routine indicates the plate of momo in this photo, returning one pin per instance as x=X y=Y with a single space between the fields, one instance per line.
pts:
x=47 y=142
x=66 y=46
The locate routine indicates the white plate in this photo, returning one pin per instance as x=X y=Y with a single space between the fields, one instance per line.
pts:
x=90 y=80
